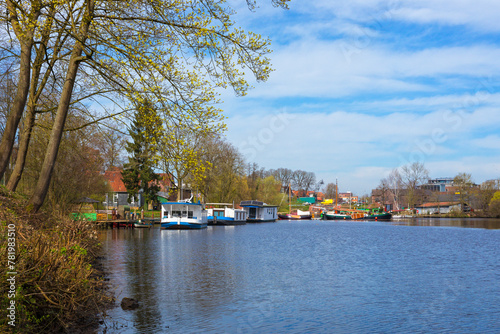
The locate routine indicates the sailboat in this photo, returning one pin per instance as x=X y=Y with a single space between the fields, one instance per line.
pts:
x=295 y=214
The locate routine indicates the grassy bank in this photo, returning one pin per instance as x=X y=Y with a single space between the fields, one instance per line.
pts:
x=51 y=280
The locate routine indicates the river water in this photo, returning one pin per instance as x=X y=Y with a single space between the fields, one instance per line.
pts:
x=420 y=276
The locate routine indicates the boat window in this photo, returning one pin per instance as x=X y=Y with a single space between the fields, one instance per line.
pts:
x=176 y=214
x=190 y=214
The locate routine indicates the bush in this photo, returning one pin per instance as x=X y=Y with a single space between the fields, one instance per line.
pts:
x=57 y=287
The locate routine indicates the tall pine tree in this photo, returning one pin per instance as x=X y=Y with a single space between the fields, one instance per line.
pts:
x=138 y=174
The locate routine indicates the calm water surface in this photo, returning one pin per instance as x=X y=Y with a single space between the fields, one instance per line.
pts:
x=420 y=276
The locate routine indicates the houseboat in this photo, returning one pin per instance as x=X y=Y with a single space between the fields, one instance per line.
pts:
x=183 y=215
x=259 y=212
x=221 y=214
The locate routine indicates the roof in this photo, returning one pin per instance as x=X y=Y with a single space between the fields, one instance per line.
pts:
x=182 y=203
x=436 y=204
x=114 y=179
x=255 y=204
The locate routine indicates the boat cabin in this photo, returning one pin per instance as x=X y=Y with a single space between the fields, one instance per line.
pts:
x=183 y=215
x=258 y=211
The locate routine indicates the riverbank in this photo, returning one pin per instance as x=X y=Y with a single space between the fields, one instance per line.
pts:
x=50 y=277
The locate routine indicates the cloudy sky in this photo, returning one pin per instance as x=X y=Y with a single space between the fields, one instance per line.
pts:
x=361 y=87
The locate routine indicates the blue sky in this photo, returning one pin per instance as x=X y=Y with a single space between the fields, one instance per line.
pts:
x=363 y=87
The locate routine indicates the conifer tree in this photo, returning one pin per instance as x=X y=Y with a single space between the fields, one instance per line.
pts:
x=138 y=174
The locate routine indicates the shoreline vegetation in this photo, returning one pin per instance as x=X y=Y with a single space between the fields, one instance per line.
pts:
x=59 y=287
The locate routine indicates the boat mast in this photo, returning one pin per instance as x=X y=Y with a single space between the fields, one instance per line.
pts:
x=336 y=192
x=289 y=199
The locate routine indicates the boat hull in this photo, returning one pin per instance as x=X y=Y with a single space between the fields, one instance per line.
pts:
x=380 y=216
x=256 y=220
x=337 y=217
x=143 y=225
x=224 y=221
x=182 y=225
x=293 y=217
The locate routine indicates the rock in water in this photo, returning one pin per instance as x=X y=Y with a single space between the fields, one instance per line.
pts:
x=129 y=304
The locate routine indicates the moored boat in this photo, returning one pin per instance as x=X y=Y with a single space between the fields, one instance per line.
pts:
x=182 y=215
x=259 y=212
x=141 y=223
x=295 y=215
x=225 y=216
x=351 y=214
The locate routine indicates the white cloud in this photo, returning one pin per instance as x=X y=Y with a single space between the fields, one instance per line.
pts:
x=491 y=142
x=362 y=106
x=478 y=14
x=336 y=69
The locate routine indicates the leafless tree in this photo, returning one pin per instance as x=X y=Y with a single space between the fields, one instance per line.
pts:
x=412 y=176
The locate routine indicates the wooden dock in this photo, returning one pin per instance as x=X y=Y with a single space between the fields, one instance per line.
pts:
x=122 y=223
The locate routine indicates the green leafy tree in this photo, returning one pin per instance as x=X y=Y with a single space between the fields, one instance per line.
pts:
x=494 y=207
x=269 y=190
x=224 y=177
x=138 y=174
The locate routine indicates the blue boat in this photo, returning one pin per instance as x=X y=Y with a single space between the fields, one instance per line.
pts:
x=222 y=215
x=183 y=215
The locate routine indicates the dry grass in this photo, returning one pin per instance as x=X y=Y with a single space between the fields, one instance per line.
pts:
x=58 y=288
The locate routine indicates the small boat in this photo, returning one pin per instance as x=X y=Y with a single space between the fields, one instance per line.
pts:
x=352 y=214
x=183 y=215
x=260 y=212
x=141 y=223
x=295 y=215
x=225 y=215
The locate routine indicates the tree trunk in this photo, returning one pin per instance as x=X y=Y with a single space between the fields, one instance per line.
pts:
x=26 y=40
x=23 y=150
x=18 y=105
x=43 y=183
x=34 y=92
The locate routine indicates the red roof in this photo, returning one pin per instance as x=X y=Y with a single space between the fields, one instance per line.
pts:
x=436 y=204
x=114 y=179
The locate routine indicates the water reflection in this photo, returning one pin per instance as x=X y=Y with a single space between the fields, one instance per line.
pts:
x=491 y=224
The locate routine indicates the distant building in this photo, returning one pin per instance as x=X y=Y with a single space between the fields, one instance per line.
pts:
x=347 y=197
x=440 y=184
x=440 y=207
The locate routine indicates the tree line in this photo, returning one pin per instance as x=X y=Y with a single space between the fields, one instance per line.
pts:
x=406 y=187
x=205 y=163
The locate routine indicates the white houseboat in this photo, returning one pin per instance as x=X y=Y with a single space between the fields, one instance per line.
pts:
x=181 y=215
x=259 y=212
x=221 y=214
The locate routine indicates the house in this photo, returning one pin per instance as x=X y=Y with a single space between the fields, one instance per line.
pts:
x=440 y=207
x=118 y=196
